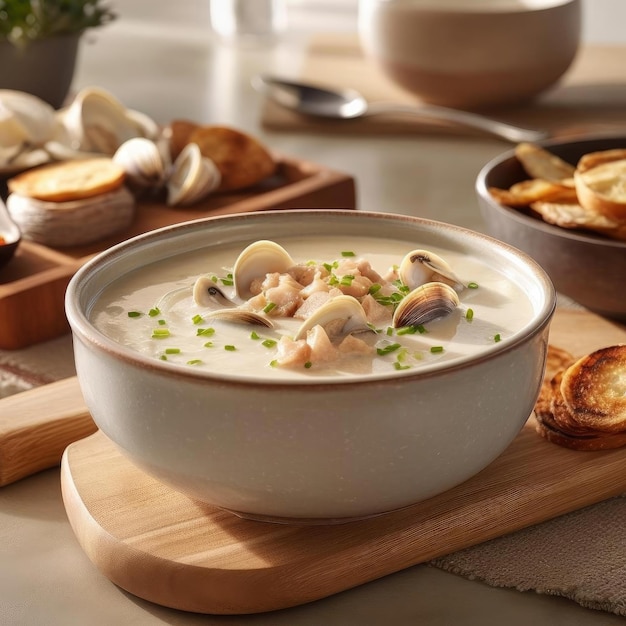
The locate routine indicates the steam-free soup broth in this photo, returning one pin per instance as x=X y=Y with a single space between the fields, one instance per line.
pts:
x=153 y=311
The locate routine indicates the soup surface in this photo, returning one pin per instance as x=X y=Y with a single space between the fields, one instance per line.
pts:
x=153 y=311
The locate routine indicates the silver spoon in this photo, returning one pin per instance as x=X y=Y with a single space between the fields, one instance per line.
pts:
x=320 y=101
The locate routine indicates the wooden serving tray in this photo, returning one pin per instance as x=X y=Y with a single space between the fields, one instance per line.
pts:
x=166 y=548
x=33 y=283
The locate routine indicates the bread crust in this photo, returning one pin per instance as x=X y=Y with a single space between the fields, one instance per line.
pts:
x=241 y=159
x=594 y=390
x=603 y=189
x=69 y=180
x=582 y=402
x=587 y=443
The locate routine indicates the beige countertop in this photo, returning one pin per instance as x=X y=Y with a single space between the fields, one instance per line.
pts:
x=165 y=64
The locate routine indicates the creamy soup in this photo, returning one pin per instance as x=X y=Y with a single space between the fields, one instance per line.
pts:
x=153 y=311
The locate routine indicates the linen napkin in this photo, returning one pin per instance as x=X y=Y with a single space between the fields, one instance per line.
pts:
x=580 y=556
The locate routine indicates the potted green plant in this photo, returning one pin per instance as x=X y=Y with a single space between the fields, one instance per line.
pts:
x=39 y=42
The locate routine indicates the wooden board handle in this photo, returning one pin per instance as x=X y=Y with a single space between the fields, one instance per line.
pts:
x=37 y=425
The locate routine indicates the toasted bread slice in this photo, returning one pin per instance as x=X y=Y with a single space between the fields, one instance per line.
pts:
x=593 y=159
x=574 y=216
x=594 y=390
x=590 y=442
x=532 y=190
x=69 y=180
x=241 y=159
x=560 y=413
x=540 y=163
x=602 y=189
x=178 y=133
x=557 y=359
x=602 y=374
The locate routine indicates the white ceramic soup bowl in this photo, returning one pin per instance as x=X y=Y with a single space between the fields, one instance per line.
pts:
x=471 y=53
x=313 y=449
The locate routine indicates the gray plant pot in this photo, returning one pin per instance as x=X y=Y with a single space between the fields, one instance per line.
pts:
x=43 y=68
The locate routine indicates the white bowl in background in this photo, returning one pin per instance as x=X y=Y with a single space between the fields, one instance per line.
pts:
x=471 y=53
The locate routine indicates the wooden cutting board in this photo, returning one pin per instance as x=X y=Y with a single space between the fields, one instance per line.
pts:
x=166 y=548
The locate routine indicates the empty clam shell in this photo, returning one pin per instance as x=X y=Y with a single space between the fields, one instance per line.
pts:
x=143 y=163
x=422 y=266
x=345 y=313
x=97 y=122
x=26 y=123
x=206 y=293
x=424 y=304
x=24 y=119
x=240 y=316
x=193 y=177
x=258 y=259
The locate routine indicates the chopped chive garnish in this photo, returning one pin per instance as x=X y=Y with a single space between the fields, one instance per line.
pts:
x=172 y=350
x=400 y=366
x=308 y=364
x=472 y=285
x=228 y=282
x=134 y=314
x=406 y=330
x=194 y=362
x=402 y=355
x=197 y=319
x=160 y=333
x=392 y=347
x=374 y=288
x=269 y=343
x=497 y=338
x=347 y=253
x=254 y=335
x=161 y=322
x=208 y=344
x=347 y=280
x=269 y=307
x=205 y=332
x=214 y=278
x=163 y=357
x=436 y=349
x=154 y=311
x=273 y=363
x=421 y=329
x=389 y=331
x=230 y=348
x=469 y=315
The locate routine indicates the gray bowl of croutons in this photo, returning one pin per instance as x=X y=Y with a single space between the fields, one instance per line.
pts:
x=564 y=204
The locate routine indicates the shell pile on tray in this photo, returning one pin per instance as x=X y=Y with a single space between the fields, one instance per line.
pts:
x=184 y=161
x=95 y=123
